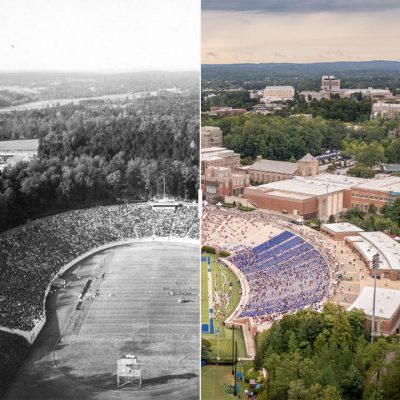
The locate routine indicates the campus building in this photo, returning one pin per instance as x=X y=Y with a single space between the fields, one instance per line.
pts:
x=298 y=196
x=385 y=110
x=218 y=157
x=226 y=111
x=266 y=171
x=338 y=231
x=277 y=93
x=329 y=82
x=367 y=244
x=219 y=182
x=211 y=136
x=387 y=309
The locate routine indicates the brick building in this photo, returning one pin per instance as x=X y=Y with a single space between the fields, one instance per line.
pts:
x=218 y=157
x=266 y=171
x=219 y=182
x=387 y=309
x=367 y=244
x=298 y=196
x=211 y=136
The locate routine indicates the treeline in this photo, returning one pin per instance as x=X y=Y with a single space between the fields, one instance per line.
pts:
x=347 y=110
x=328 y=356
x=282 y=138
x=234 y=99
x=353 y=75
x=99 y=154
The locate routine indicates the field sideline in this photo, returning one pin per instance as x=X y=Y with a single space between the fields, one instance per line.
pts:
x=221 y=276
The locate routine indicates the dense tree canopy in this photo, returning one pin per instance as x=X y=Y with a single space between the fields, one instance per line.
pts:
x=325 y=355
x=91 y=154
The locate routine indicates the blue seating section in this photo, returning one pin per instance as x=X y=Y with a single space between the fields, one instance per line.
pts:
x=286 y=273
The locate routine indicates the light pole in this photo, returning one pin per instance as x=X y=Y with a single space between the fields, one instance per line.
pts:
x=375 y=266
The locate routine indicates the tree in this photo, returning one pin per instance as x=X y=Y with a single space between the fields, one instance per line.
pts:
x=331 y=219
x=205 y=350
x=371 y=155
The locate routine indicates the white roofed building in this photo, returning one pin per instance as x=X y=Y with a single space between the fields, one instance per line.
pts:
x=387 y=309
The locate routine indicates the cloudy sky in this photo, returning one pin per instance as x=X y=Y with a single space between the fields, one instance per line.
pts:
x=236 y=31
x=99 y=35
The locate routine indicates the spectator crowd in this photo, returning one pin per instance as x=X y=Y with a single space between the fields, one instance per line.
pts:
x=285 y=274
x=33 y=254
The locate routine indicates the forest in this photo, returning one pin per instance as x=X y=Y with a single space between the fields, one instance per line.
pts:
x=91 y=154
x=328 y=356
x=283 y=138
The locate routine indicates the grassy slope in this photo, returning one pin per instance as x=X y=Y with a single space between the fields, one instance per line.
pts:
x=13 y=349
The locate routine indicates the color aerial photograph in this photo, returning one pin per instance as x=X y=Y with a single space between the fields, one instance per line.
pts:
x=300 y=180
x=99 y=216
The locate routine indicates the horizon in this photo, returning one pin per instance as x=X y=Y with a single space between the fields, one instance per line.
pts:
x=306 y=63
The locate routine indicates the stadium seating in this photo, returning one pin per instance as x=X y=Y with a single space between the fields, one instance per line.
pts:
x=285 y=274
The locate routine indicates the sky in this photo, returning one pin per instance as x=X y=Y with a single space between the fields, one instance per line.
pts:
x=302 y=31
x=99 y=35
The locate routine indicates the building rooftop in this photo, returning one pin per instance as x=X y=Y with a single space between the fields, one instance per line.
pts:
x=302 y=186
x=280 y=167
x=387 y=302
x=342 y=227
x=308 y=157
x=387 y=247
x=19 y=145
x=286 y=195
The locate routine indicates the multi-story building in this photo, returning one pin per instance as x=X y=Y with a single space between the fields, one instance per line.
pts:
x=266 y=171
x=314 y=95
x=277 y=93
x=385 y=110
x=329 y=82
x=219 y=157
x=219 y=182
x=211 y=136
x=226 y=111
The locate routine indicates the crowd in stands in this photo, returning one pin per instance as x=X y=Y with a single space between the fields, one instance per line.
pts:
x=33 y=254
x=285 y=274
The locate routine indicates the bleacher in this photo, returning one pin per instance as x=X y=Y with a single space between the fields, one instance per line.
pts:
x=285 y=274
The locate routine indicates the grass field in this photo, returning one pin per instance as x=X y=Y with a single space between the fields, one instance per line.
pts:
x=212 y=382
x=135 y=314
x=221 y=276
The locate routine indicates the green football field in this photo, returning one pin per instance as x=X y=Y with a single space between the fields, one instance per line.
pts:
x=212 y=382
x=222 y=277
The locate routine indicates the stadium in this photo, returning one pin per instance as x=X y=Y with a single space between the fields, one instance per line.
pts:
x=92 y=288
x=272 y=267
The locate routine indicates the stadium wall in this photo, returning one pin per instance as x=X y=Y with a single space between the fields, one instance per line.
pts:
x=32 y=335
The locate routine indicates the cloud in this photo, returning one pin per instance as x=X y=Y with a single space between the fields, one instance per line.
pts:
x=300 y=6
x=212 y=54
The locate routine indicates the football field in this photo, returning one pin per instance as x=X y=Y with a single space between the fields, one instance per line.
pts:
x=224 y=281
x=137 y=310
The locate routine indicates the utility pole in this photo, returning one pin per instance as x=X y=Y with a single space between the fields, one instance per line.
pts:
x=233 y=347
x=375 y=266
x=235 y=393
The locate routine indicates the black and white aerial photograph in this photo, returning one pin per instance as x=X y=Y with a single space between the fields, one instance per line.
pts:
x=99 y=216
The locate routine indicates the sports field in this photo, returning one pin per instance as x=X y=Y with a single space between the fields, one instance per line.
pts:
x=212 y=383
x=135 y=313
x=224 y=281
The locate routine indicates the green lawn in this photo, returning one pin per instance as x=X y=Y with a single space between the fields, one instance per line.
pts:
x=212 y=382
x=221 y=276
x=204 y=294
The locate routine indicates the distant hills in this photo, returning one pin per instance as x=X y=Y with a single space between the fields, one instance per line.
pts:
x=353 y=73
